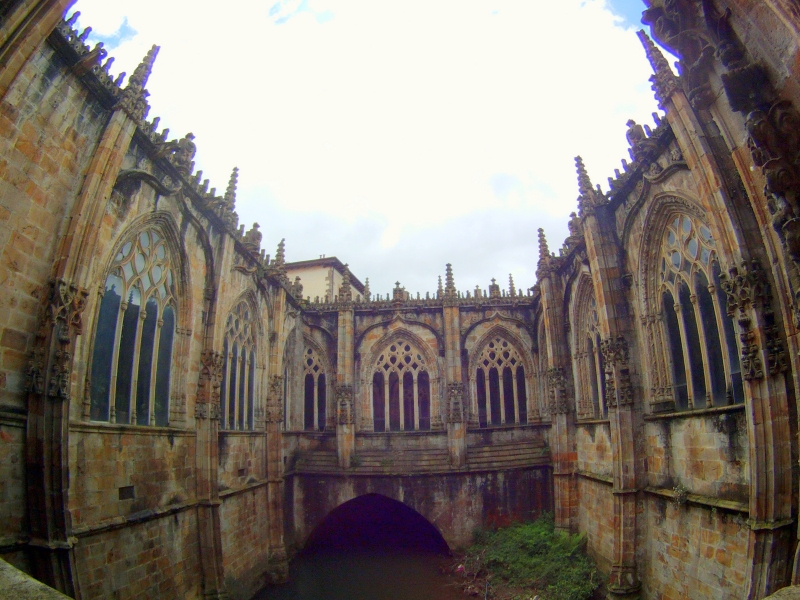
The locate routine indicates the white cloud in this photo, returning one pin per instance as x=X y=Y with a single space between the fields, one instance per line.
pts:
x=409 y=116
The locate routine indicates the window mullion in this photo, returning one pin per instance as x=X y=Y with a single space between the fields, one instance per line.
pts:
x=136 y=356
x=151 y=404
x=112 y=392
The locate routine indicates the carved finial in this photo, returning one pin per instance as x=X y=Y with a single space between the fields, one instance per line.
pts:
x=280 y=254
x=511 y=289
x=366 y=290
x=440 y=290
x=252 y=239
x=183 y=155
x=449 y=285
x=230 y=193
x=544 y=251
x=663 y=79
x=584 y=183
x=142 y=72
x=74 y=18
x=345 y=290
x=398 y=293
x=494 y=289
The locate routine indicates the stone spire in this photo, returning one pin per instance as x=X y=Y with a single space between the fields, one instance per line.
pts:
x=142 y=72
x=664 y=81
x=366 y=290
x=440 y=290
x=230 y=193
x=449 y=282
x=278 y=264
x=511 y=289
x=588 y=196
x=345 y=290
x=133 y=99
x=544 y=251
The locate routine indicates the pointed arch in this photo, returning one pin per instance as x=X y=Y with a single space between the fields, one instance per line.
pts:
x=318 y=377
x=143 y=305
x=499 y=374
x=684 y=316
x=401 y=383
x=587 y=360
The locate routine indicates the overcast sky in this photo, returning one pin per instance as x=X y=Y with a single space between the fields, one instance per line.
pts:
x=397 y=136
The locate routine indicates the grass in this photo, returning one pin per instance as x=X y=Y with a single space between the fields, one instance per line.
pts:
x=526 y=559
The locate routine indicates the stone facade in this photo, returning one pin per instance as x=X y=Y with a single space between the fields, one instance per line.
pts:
x=177 y=413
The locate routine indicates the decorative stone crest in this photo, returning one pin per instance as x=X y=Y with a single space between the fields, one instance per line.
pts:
x=344 y=402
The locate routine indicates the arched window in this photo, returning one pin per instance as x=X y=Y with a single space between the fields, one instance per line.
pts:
x=500 y=384
x=132 y=354
x=588 y=356
x=401 y=393
x=704 y=371
x=315 y=405
x=237 y=392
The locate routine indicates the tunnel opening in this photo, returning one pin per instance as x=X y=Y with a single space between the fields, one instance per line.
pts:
x=373 y=522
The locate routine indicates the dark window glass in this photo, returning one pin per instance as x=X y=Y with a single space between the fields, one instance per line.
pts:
x=127 y=348
x=408 y=401
x=308 y=405
x=494 y=396
x=223 y=388
x=736 y=387
x=321 y=401
x=394 y=402
x=424 y=397
x=601 y=373
x=480 y=384
x=593 y=377
x=251 y=389
x=676 y=351
x=145 y=371
x=378 y=406
x=508 y=395
x=232 y=388
x=103 y=354
x=522 y=395
x=163 y=367
x=693 y=346
x=242 y=398
x=708 y=318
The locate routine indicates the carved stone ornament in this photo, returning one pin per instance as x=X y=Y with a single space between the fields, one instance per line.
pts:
x=619 y=391
x=455 y=402
x=557 y=389
x=746 y=287
x=344 y=402
x=274 y=409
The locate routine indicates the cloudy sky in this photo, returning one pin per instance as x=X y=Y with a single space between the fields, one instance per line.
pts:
x=397 y=136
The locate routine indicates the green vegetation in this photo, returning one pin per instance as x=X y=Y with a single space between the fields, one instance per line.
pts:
x=526 y=559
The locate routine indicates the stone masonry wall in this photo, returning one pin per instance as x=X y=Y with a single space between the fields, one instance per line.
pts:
x=594 y=449
x=693 y=552
x=243 y=525
x=241 y=459
x=595 y=498
x=158 y=558
x=708 y=455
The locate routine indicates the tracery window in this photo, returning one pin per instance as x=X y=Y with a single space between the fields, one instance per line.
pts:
x=132 y=354
x=401 y=389
x=699 y=333
x=237 y=391
x=589 y=359
x=315 y=390
x=500 y=385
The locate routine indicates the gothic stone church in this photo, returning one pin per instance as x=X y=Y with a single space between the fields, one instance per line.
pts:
x=179 y=410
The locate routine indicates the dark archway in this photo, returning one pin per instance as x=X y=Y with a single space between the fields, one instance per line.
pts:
x=375 y=522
